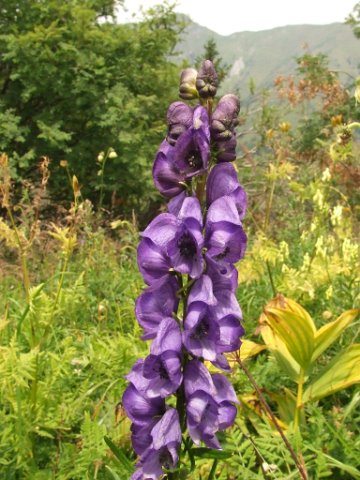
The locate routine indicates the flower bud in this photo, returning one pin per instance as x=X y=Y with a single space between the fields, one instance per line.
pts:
x=187 y=88
x=207 y=80
x=112 y=153
x=100 y=157
x=225 y=117
x=63 y=163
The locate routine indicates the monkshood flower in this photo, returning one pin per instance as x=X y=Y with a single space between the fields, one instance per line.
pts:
x=225 y=238
x=209 y=403
x=167 y=177
x=179 y=118
x=159 y=375
x=186 y=257
x=156 y=303
x=207 y=80
x=164 y=441
x=192 y=151
x=223 y=181
x=209 y=332
x=173 y=242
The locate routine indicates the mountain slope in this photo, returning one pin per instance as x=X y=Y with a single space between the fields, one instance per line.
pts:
x=266 y=54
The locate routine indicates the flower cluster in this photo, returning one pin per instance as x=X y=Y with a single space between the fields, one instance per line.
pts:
x=187 y=257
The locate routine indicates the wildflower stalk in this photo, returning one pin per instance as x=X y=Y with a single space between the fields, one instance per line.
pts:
x=299 y=397
x=267 y=408
x=213 y=470
x=23 y=256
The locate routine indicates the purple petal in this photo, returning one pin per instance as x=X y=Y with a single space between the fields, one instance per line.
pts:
x=202 y=291
x=223 y=181
x=224 y=390
x=226 y=242
x=156 y=303
x=197 y=377
x=161 y=230
x=152 y=261
x=226 y=416
x=167 y=178
x=223 y=210
x=168 y=337
x=191 y=209
x=174 y=206
x=167 y=431
x=139 y=409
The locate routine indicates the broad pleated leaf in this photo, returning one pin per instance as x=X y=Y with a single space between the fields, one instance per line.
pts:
x=330 y=332
x=341 y=372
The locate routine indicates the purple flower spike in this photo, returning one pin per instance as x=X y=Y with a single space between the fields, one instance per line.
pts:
x=167 y=177
x=179 y=117
x=225 y=237
x=192 y=149
x=223 y=181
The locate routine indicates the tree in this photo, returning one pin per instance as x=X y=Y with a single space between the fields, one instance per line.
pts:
x=211 y=53
x=73 y=82
x=354 y=20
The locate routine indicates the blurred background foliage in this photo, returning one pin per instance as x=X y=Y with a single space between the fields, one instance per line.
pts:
x=82 y=112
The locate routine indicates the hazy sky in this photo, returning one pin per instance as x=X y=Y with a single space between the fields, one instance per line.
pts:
x=229 y=16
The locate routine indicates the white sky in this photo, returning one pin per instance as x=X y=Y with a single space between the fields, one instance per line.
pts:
x=229 y=16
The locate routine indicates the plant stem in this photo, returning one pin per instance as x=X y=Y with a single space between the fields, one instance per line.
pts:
x=213 y=470
x=22 y=251
x=271 y=279
x=300 y=467
x=102 y=182
x=299 y=400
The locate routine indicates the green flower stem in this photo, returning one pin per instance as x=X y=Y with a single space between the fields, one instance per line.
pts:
x=213 y=470
x=299 y=398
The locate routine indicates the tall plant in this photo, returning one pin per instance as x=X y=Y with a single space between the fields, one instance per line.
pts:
x=189 y=310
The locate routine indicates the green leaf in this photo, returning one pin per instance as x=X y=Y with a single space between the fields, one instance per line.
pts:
x=203 y=452
x=281 y=353
x=119 y=454
x=341 y=372
x=330 y=332
x=295 y=331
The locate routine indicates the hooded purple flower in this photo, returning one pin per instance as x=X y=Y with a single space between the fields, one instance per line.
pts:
x=167 y=177
x=209 y=331
x=140 y=409
x=179 y=118
x=209 y=403
x=173 y=242
x=223 y=181
x=187 y=87
x=156 y=303
x=164 y=442
x=192 y=149
x=225 y=238
x=159 y=375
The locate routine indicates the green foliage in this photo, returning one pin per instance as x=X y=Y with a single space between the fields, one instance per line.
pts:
x=73 y=82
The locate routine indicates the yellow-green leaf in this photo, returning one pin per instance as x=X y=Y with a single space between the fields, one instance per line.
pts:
x=327 y=334
x=250 y=349
x=295 y=331
x=341 y=372
x=281 y=353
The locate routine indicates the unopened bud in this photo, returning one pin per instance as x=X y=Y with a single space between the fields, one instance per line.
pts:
x=179 y=118
x=112 y=154
x=187 y=88
x=75 y=186
x=63 y=163
x=207 y=80
x=100 y=157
